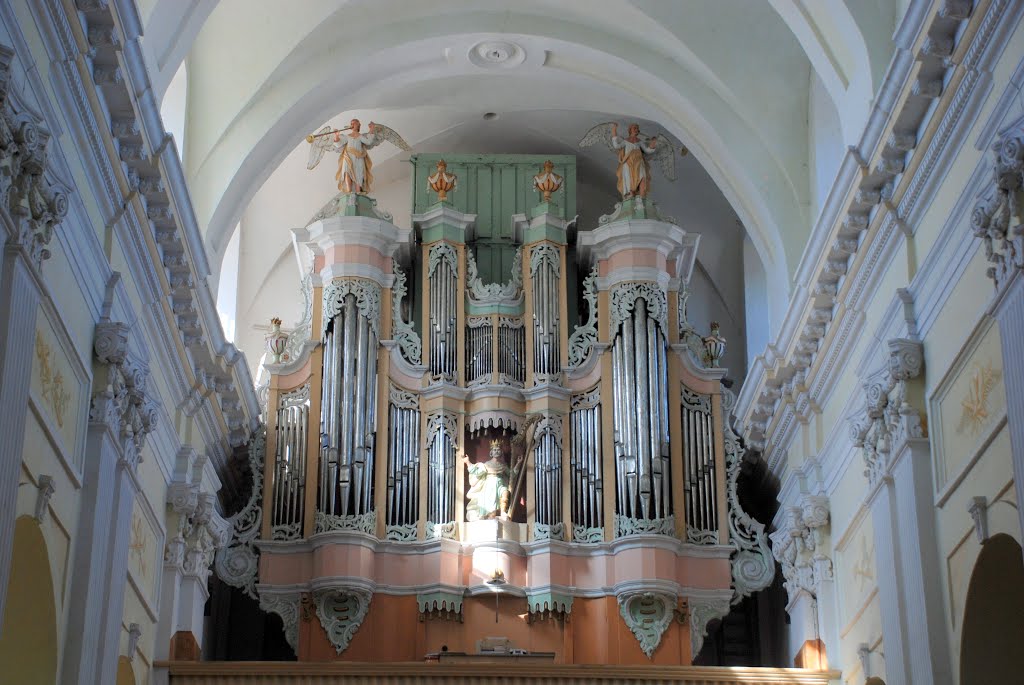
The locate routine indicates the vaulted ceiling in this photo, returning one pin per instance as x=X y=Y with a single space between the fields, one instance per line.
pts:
x=741 y=83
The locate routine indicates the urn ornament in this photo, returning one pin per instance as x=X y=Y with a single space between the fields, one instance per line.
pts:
x=442 y=182
x=547 y=181
x=276 y=340
x=714 y=346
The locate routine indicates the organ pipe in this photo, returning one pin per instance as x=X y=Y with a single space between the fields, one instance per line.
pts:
x=290 y=464
x=443 y=276
x=585 y=459
x=545 y=267
x=699 y=483
x=640 y=414
x=403 y=458
x=441 y=461
x=348 y=416
x=548 y=470
x=479 y=344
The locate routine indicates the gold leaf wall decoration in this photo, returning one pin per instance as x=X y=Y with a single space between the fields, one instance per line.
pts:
x=52 y=382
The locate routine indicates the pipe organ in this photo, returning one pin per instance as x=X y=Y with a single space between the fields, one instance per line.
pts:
x=640 y=404
x=290 y=463
x=454 y=438
x=348 y=405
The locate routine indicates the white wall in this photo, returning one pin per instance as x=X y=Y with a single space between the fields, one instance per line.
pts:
x=825 y=144
x=755 y=302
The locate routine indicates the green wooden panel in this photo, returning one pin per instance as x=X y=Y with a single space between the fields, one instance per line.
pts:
x=494 y=187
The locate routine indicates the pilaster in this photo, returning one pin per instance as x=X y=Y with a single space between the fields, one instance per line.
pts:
x=31 y=211
x=998 y=221
x=120 y=417
x=898 y=466
x=19 y=303
x=1009 y=313
x=802 y=545
x=195 y=532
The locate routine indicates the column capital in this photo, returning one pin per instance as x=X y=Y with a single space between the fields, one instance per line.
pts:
x=997 y=217
x=36 y=205
x=121 y=403
x=800 y=545
x=886 y=422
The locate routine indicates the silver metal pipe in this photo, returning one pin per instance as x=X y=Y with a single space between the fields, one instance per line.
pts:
x=692 y=495
x=575 y=453
x=393 y=460
x=336 y=390
x=643 y=442
x=414 y=487
x=618 y=408
x=598 y=466
x=629 y=415
x=710 y=471
x=653 y=423
x=359 y=418
x=370 y=420
x=665 y=448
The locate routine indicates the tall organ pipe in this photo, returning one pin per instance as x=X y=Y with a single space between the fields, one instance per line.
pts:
x=290 y=464
x=348 y=412
x=585 y=461
x=640 y=420
x=403 y=457
x=699 y=478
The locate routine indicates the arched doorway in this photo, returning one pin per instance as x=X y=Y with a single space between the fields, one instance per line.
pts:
x=992 y=629
x=28 y=645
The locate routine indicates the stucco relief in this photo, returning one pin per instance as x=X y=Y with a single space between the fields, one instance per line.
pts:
x=51 y=380
x=968 y=405
x=142 y=554
x=856 y=577
x=55 y=387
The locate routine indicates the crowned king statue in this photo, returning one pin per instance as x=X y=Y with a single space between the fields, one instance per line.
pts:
x=488 y=486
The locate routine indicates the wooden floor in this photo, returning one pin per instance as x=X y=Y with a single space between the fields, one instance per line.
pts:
x=335 y=673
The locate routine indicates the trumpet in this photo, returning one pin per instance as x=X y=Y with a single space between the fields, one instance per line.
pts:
x=313 y=136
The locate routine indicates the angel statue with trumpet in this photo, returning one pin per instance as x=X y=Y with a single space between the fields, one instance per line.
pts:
x=355 y=168
x=635 y=151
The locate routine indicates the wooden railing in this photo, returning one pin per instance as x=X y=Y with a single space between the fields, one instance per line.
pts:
x=342 y=673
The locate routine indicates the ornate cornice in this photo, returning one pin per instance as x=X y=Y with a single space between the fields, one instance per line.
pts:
x=866 y=227
x=138 y=173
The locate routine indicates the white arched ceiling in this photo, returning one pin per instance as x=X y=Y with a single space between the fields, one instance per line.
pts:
x=849 y=45
x=169 y=29
x=729 y=79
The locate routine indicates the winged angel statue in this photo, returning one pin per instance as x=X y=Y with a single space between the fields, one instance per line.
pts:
x=635 y=151
x=355 y=168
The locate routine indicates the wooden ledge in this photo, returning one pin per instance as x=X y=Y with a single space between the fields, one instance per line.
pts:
x=321 y=673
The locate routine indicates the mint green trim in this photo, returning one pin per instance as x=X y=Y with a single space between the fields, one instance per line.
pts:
x=445 y=231
x=439 y=601
x=552 y=208
x=544 y=231
x=494 y=188
x=554 y=602
x=502 y=309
